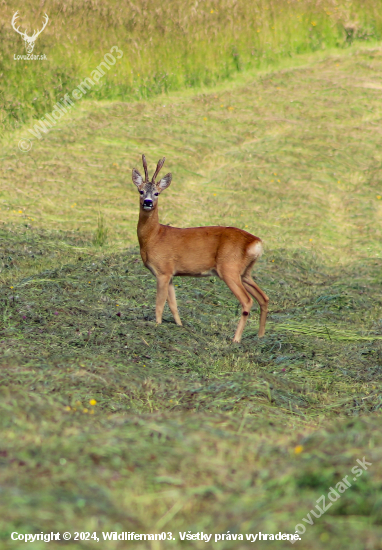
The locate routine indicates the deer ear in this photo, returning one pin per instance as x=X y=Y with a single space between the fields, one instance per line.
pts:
x=137 y=178
x=164 y=182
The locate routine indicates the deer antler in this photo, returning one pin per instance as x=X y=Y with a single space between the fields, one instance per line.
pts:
x=145 y=168
x=15 y=16
x=159 y=166
x=168 y=251
x=35 y=34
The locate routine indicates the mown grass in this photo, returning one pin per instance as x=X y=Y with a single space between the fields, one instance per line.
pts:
x=290 y=155
x=166 y=46
x=189 y=431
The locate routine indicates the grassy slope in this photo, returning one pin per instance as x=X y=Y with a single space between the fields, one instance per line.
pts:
x=166 y=45
x=189 y=431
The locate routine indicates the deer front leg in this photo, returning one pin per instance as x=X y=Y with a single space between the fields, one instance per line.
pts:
x=172 y=303
x=162 y=293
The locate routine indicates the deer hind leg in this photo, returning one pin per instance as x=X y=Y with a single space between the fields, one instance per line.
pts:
x=171 y=299
x=261 y=298
x=235 y=284
x=162 y=293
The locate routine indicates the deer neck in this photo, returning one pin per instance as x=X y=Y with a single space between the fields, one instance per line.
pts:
x=148 y=226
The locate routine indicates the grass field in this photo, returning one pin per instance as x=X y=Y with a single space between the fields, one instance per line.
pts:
x=112 y=423
x=166 y=46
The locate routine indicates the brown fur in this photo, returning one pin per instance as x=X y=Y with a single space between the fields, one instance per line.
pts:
x=227 y=252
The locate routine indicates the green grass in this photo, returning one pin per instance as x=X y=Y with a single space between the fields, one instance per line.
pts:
x=190 y=431
x=167 y=46
x=100 y=234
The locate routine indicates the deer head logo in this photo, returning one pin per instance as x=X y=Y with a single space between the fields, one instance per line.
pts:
x=29 y=40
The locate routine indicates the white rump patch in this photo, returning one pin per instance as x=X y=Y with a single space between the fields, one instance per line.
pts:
x=255 y=250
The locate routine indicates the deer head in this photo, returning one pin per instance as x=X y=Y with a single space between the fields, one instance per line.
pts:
x=29 y=40
x=150 y=190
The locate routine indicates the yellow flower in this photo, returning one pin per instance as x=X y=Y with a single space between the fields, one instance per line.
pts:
x=11 y=287
x=310 y=240
x=272 y=260
x=258 y=30
x=85 y=411
x=298 y=449
x=212 y=11
x=68 y=408
x=92 y=402
x=214 y=194
x=20 y=211
x=379 y=197
x=313 y=23
x=205 y=118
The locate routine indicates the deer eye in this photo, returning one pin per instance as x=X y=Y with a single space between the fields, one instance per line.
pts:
x=156 y=194
x=141 y=192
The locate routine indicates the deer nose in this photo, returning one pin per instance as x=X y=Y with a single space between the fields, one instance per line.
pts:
x=147 y=202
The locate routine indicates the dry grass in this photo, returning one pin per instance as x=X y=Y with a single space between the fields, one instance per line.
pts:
x=188 y=431
x=278 y=154
x=167 y=46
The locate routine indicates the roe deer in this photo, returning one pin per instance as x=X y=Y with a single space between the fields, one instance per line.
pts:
x=227 y=252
